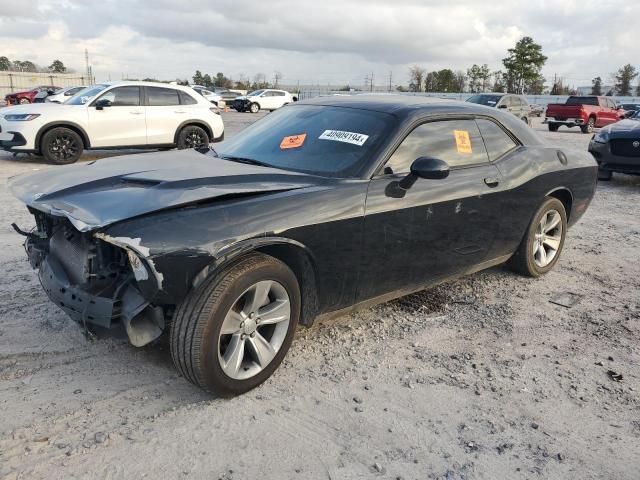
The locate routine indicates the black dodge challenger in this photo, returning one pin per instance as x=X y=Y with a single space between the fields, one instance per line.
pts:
x=616 y=148
x=320 y=208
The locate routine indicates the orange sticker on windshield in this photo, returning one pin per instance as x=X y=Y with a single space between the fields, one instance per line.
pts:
x=293 y=141
x=463 y=142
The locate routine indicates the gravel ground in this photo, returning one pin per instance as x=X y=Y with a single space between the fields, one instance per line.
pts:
x=480 y=378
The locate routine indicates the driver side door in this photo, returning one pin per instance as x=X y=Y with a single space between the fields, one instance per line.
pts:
x=437 y=228
x=120 y=124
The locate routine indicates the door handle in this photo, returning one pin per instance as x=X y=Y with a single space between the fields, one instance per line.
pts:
x=179 y=111
x=491 y=182
x=136 y=113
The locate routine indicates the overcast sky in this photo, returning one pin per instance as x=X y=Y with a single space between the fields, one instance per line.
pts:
x=329 y=41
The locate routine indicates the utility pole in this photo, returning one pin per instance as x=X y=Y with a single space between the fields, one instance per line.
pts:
x=390 y=79
x=371 y=89
x=86 y=64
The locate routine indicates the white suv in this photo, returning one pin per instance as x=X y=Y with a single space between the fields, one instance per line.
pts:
x=264 y=99
x=112 y=115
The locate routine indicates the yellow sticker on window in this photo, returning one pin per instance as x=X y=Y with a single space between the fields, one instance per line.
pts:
x=293 y=141
x=463 y=142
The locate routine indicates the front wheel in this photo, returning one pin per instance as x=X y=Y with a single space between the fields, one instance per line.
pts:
x=254 y=108
x=192 y=136
x=61 y=146
x=589 y=127
x=230 y=334
x=24 y=101
x=540 y=248
x=605 y=175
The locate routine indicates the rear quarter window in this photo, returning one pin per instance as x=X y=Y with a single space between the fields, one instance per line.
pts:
x=496 y=140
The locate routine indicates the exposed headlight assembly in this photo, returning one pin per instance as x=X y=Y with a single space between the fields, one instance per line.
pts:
x=23 y=117
x=602 y=136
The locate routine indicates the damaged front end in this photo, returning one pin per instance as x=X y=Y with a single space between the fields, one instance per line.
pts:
x=96 y=279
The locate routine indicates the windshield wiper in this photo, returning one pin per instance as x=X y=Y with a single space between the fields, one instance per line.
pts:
x=249 y=161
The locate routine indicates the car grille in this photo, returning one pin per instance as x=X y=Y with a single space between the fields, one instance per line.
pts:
x=625 y=147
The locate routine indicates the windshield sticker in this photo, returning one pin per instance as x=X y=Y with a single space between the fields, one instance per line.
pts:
x=346 y=137
x=463 y=142
x=292 y=141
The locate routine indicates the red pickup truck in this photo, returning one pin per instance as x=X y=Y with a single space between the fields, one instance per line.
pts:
x=586 y=112
x=27 y=96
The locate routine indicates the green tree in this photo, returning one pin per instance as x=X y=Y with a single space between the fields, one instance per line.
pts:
x=197 y=78
x=624 y=78
x=57 y=67
x=5 y=63
x=479 y=77
x=24 y=66
x=498 y=82
x=206 y=80
x=523 y=64
x=535 y=85
x=596 y=86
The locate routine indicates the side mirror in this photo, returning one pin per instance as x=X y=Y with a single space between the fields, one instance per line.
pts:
x=100 y=104
x=425 y=167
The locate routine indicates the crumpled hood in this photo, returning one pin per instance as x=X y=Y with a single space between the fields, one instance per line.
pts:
x=97 y=194
x=625 y=129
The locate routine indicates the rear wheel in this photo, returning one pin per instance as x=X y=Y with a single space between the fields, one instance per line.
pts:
x=553 y=127
x=541 y=246
x=588 y=128
x=192 y=136
x=61 y=146
x=24 y=101
x=230 y=334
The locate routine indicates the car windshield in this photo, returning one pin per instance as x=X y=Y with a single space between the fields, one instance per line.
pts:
x=489 y=100
x=254 y=93
x=86 y=94
x=320 y=140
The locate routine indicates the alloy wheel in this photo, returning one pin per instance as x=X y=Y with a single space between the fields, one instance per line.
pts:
x=194 y=139
x=254 y=329
x=63 y=148
x=548 y=238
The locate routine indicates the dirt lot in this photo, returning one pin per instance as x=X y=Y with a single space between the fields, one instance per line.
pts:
x=480 y=378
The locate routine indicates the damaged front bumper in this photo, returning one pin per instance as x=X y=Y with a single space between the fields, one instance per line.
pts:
x=97 y=282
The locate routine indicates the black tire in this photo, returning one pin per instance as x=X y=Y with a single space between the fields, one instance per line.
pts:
x=254 y=108
x=553 y=127
x=523 y=260
x=193 y=136
x=604 y=175
x=61 y=146
x=590 y=126
x=196 y=327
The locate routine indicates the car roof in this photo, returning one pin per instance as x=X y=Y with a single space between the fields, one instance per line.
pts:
x=146 y=84
x=397 y=104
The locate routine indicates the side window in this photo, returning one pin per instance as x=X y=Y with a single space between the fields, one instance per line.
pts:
x=457 y=142
x=278 y=94
x=122 y=96
x=495 y=138
x=159 y=97
x=186 y=99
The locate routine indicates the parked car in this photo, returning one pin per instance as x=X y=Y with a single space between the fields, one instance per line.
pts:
x=208 y=94
x=228 y=95
x=265 y=99
x=320 y=208
x=586 y=112
x=27 y=96
x=616 y=148
x=537 y=110
x=63 y=94
x=629 y=108
x=515 y=104
x=112 y=115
